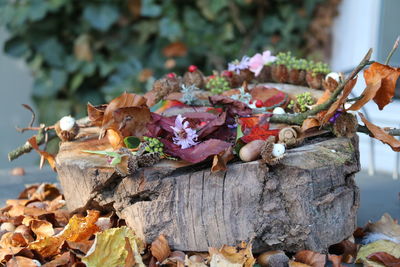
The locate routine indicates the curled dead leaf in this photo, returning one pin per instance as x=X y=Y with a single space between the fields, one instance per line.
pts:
x=220 y=160
x=49 y=157
x=309 y=124
x=311 y=258
x=240 y=255
x=41 y=228
x=386 y=225
x=160 y=248
x=380 y=134
x=96 y=113
x=19 y=261
x=175 y=49
x=385 y=259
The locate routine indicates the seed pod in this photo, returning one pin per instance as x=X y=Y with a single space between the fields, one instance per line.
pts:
x=66 y=128
x=272 y=153
x=194 y=77
x=345 y=125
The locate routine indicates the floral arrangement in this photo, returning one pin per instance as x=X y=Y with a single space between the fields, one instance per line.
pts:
x=232 y=113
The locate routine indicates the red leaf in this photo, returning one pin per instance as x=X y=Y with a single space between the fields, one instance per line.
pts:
x=196 y=153
x=385 y=259
x=233 y=107
x=256 y=128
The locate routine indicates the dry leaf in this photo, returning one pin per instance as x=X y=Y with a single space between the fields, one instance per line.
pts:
x=109 y=248
x=11 y=239
x=160 y=248
x=385 y=259
x=377 y=246
x=309 y=123
x=82 y=50
x=373 y=85
x=49 y=157
x=124 y=100
x=176 y=49
x=96 y=113
x=336 y=260
x=220 y=160
x=327 y=94
x=131 y=121
x=41 y=228
x=130 y=258
x=65 y=259
x=380 y=134
x=346 y=249
x=311 y=258
x=388 y=77
x=19 y=261
x=330 y=84
x=7 y=253
x=194 y=261
x=340 y=101
x=82 y=246
x=232 y=256
x=386 y=225
x=297 y=264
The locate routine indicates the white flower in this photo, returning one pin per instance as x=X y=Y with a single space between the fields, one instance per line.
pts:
x=185 y=136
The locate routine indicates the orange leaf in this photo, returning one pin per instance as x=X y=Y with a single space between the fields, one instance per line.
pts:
x=380 y=134
x=309 y=123
x=49 y=157
x=336 y=260
x=41 y=228
x=340 y=101
x=311 y=258
x=131 y=121
x=373 y=85
x=160 y=248
x=124 y=100
x=381 y=79
x=327 y=94
x=176 y=49
x=19 y=261
x=96 y=113
x=220 y=160
x=385 y=259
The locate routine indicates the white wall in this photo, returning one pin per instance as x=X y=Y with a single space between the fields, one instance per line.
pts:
x=356 y=29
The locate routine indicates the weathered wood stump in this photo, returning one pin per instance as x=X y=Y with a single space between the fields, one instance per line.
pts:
x=308 y=201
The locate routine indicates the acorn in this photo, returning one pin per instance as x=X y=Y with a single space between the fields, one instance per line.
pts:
x=194 y=77
x=66 y=128
x=272 y=153
x=288 y=136
x=345 y=125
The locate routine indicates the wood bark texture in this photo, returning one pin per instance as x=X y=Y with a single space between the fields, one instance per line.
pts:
x=308 y=201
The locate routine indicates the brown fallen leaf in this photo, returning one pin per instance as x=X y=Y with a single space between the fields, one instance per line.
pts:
x=131 y=121
x=380 y=134
x=297 y=264
x=340 y=101
x=309 y=123
x=160 y=248
x=336 y=260
x=41 y=228
x=175 y=49
x=220 y=160
x=373 y=85
x=327 y=94
x=96 y=113
x=346 y=249
x=82 y=246
x=11 y=239
x=311 y=258
x=65 y=259
x=7 y=253
x=240 y=255
x=20 y=261
x=49 y=157
x=388 y=77
x=385 y=259
x=130 y=258
x=386 y=225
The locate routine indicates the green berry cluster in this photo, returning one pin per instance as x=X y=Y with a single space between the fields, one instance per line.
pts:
x=303 y=101
x=153 y=145
x=218 y=84
x=292 y=62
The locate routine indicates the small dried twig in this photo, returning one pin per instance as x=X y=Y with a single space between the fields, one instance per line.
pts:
x=297 y=119
x=391 y=131
x=32 y=119
x=394 y=48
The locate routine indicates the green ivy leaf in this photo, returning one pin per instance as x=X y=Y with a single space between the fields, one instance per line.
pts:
x=76 y=81
x=53 y=52
x=131 y=142
x=170 y=29
x=101 y=16
x=149 y=9
x=16 y=47
x=58 y=78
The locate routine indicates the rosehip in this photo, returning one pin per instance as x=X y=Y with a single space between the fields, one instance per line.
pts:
x=227 y=73
x=171 y=75
x=192 y=68
x=259 y=103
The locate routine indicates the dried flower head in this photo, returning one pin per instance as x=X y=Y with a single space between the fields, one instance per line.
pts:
x=237 y=66
x=185 y=136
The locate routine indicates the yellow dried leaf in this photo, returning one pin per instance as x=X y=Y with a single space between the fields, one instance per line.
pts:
x=109 y=248
x=160 y=248
x=377 y=246
x=232 y=256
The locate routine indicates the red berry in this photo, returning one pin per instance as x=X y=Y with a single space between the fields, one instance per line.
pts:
x=251 y=101
x=192 y=68
x=211 y=77
x=227 y=73
x=259 y=103
x=171 y=75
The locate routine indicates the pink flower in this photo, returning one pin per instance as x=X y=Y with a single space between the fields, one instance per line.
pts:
x=185 y=136
x=258 y=61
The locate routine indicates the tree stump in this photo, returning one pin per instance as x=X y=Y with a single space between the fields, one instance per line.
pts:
x=308 y=201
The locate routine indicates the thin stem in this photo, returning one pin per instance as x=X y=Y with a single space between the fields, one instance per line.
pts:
x=394 y=48
x=297 y=119
x=390 y=131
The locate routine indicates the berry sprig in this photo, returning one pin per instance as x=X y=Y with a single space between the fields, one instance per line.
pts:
x=218 y=84
x=153 y=145
x=303 y=102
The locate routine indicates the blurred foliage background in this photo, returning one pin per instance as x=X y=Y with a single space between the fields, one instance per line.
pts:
x=93 y=50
